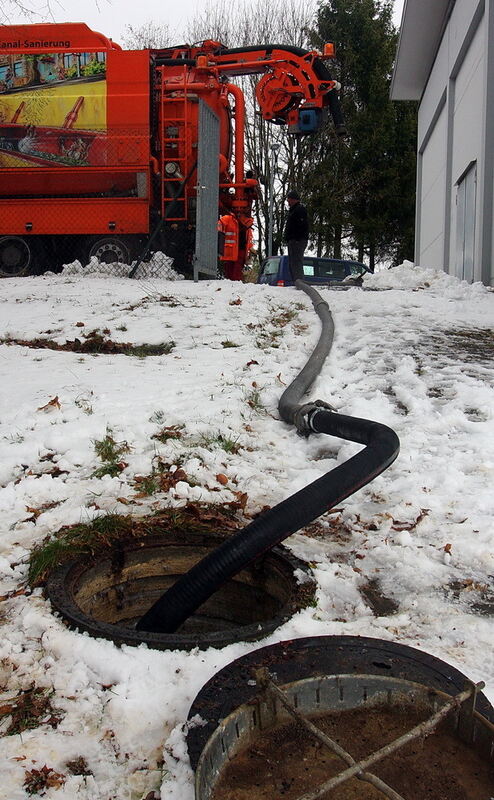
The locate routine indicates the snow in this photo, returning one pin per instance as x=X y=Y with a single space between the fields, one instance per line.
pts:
x=405 y=354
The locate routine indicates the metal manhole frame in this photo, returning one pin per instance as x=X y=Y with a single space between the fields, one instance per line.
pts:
x=336 y=693
x=307 y=657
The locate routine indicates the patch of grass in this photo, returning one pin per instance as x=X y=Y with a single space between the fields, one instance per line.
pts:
x=270 y=329
x=110 y=452
x=30 y=709
x=268 y=338
x=283 y=317
x=144 y=350
x=228 y=343
x=15 y=438
x=253 y=399
x=217 y=439
x=161 y=479
x=109 y=469
x=155 y=297
x=147 y=484
x=74 y=540
x=83 y=402
x=109 y=533
x=157 y=417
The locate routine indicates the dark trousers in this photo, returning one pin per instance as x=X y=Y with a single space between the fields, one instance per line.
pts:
x=296 y=250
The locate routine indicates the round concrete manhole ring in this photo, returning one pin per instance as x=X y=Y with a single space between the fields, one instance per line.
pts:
x=107 y=596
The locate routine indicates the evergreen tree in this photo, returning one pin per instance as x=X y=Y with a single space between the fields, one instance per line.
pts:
x=361 y=189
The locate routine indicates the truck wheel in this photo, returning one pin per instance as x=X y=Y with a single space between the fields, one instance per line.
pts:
x=109 y=249
x=16 y=256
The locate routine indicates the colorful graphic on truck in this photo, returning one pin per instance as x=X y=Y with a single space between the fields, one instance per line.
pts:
x=53 y=109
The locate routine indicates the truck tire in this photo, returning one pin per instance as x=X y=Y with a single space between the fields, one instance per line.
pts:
x=16 y=256
x=108 y=249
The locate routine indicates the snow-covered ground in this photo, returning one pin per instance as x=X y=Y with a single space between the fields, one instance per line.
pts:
x=416 y=355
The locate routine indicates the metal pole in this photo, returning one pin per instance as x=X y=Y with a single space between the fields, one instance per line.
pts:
x=274 y=159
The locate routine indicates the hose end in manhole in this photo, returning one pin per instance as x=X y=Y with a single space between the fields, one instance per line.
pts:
x=108 y=596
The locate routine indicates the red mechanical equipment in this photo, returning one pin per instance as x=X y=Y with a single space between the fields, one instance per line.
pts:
x=98 y=145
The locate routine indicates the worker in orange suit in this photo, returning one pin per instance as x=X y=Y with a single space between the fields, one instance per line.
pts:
x=228 y=228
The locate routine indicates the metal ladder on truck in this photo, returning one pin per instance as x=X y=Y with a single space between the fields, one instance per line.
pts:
x=174 y=129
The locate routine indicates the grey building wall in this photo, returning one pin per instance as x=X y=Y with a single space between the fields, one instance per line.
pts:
x=455 y=176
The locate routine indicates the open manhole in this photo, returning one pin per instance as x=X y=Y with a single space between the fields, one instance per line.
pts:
x=108 y=597
x=262 y=750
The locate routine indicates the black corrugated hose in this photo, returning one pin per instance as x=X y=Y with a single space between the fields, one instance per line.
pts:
x=381 y=447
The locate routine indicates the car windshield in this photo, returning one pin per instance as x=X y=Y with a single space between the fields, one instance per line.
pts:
x=324 y=268
x=357 y=269
x=271 y=266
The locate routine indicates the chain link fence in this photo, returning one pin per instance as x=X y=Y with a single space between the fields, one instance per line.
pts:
x=167 y=252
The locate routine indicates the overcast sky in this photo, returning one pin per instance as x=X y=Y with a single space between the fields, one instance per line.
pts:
x=110 y=17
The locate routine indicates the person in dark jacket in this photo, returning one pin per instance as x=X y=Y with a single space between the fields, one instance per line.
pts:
x=296 y=234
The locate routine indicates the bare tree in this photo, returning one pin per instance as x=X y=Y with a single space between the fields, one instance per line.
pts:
x=32 y=11
x=151 y=34
x=29 y=11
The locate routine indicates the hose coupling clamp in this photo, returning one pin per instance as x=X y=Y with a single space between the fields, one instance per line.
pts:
x=303 y=414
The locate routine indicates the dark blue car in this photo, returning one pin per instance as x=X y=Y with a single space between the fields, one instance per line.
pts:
x=317 y=271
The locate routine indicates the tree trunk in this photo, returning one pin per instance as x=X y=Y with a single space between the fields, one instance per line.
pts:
x=337 y=230
x=372 y=255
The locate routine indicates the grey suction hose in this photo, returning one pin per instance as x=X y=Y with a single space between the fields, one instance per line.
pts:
x=289 y=403
x=381 y=446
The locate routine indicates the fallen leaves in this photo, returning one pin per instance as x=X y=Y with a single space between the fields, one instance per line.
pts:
x=409 y=526
x=50 y=405
x=37 y=781
x=241 y=501
x=10 y=595
x=169 y=432
x=78 y=766
x=38 y=510
x=161 y=481
x=94 y=343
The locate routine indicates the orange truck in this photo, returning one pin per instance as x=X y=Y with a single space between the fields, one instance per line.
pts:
x=100 y=147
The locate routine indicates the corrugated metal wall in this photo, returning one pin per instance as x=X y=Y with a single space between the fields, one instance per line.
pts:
x=206 y=255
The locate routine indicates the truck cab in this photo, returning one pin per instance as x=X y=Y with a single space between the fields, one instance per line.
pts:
x=318 y=271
